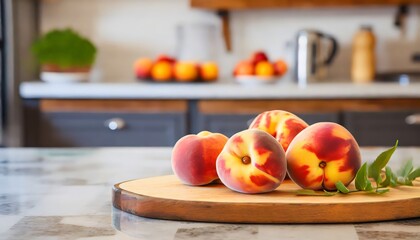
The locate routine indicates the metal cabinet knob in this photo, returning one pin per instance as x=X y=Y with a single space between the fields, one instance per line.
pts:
x=115 y=124
x=413 y=119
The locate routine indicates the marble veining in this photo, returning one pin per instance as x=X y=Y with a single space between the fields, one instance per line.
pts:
x=403 y=229
x=59 y=227
x=66 y=194
x=217 y=232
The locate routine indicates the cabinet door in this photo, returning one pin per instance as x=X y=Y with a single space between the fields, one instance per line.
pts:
x=230 y=124
x=382 y=128
x=92 y=129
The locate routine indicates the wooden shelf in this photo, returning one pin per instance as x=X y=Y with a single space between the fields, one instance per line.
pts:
x=224 y=6
x=255 y=4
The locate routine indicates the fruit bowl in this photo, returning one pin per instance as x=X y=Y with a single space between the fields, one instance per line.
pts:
x=168 y=69
x=253 y=80
x=258 y=69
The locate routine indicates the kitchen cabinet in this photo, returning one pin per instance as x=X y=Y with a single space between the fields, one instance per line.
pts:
x=383 y=128
x=222 y=7
x=87 y=123
x=372 y=121
x=230 y=124
x=111 y=129
x=229 y=117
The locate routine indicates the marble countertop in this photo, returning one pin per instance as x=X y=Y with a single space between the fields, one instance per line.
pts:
x=220 y=90
x=66 y=194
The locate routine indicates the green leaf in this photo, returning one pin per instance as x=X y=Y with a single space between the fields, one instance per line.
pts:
x=389 y=176
x=361 y=178
x=404 y=181
x=382 y=190
x=414 y=174
x=393 y=182
x=327 y=193
x=340 y=186
x=368 y=185
x=308 y=192
x=380 y=162
x=406 y=169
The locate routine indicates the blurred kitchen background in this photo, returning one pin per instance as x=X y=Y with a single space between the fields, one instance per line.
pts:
x=126 y=30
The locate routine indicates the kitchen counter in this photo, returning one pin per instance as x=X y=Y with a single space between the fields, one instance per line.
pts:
x=219 y=90
x=66 y=194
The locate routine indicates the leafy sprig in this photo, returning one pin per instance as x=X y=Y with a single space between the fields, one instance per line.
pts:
x=381 y=174
x=405 y=176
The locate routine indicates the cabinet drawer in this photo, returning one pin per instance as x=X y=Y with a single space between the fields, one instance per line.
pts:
x=230 y=124
x=382 y=128
x=91 y=129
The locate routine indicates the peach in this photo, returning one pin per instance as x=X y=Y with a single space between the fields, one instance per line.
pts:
x=264 y=69
x=165 y=58
x=280 y=67
x=186 y=71
x=259 y=56
x=209 y=71
x=321 y=155
x=282 y=125
x=194 y=157
x=243 y=68
x=162 y=71
x=143 y=68
x=251 y=162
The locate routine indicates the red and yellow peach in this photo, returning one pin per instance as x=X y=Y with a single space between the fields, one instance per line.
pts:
x=194 y=157
x=243 y=68
x=264 y=69
x=186 y=71
x=162 y=71
x=321 y=155
x=252 y=161
x=209 y=71
x=280 y=67
x=143 y=67
x=282 y=125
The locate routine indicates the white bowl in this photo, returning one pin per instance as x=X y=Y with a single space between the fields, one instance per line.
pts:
x=64 y=77
x=254 y=80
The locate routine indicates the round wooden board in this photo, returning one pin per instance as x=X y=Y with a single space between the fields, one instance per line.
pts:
x=165 y=197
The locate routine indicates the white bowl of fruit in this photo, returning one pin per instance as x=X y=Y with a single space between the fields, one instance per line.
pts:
x=258 y=69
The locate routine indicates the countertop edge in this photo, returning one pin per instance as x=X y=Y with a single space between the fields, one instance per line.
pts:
x=196 y=91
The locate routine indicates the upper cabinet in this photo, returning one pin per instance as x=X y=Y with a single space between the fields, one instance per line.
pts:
x=222 y=7
x=253 y=4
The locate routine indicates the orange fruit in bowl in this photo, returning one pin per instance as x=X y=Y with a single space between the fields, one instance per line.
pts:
x=143 y=67
x=264 y=69
x=162 y=71
x=280 y=67
x=186 y=71
x=243 y=68
x=209 y=71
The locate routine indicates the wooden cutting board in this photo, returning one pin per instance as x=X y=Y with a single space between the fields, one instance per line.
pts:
x=165 y=197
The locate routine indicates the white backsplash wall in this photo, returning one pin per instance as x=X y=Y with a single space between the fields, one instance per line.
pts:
x=124 y=30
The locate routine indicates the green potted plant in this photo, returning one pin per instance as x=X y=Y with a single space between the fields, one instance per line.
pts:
x=64 y=56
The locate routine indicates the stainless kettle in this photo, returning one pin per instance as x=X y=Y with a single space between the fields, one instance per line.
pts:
x=314 y=52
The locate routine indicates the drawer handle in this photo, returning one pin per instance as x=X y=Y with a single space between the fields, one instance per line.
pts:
x=115 y=124
x=413 y=119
